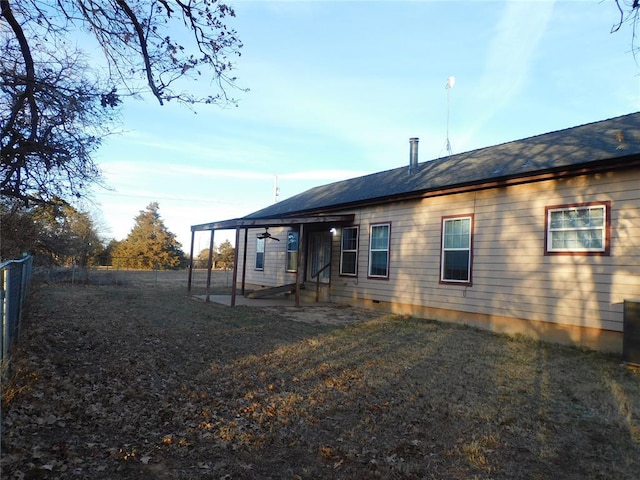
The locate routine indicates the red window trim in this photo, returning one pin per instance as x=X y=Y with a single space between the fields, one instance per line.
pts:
x=379 y=277
x=473 y=226
x=607 y=229
x=350 y=275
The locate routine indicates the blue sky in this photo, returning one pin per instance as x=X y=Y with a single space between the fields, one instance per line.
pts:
x=337 y=88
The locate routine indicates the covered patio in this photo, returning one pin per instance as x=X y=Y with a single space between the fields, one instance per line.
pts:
x=301 y=223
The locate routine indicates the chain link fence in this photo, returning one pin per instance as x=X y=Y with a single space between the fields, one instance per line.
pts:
x=15 y=276
x=110 y=275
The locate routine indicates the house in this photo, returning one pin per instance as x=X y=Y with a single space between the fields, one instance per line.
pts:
x=539 y=236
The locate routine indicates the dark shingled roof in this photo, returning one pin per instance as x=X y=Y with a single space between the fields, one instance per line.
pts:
x=584 y=146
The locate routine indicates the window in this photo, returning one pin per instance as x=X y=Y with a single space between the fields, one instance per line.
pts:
x=260 y=254
x=455 y=262
x=379 y=251
x=349 y=251
x=580 y=228
x=292 y=251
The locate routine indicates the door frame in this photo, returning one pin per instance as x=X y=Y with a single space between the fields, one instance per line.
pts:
x=319 y=245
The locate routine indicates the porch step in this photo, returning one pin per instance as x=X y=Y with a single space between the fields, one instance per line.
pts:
x=271 y=291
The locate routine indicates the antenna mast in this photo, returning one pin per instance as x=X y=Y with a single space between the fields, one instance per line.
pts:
x=276 y=189
x=451 y=81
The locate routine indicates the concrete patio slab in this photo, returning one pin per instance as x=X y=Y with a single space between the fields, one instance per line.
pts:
x=241 y=300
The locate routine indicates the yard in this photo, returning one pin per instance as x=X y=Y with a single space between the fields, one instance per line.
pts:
x=136 y=380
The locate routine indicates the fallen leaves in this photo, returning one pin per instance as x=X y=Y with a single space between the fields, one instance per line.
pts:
x=131 y=382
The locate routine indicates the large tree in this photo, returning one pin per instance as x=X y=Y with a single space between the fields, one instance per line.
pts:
x=55 y=107
x=149 y=245
x=56 y=233
x=225 y=255
x=18 y=230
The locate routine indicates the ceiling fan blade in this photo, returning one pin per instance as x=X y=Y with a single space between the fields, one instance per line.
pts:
x=266 y=235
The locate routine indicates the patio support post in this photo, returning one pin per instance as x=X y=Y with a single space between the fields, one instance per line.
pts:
x=300 y=266
x=193 y=234
x=209 y=266
x=234 y=282
x=244 y=258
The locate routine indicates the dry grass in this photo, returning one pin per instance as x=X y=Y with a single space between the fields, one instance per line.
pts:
x=135 y=382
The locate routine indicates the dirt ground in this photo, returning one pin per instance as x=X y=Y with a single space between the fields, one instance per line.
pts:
x=323 y=314
x=137 y=381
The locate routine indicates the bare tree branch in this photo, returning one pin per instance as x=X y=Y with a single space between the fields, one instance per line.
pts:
x=142 y=41
x=55 y=107
x=27 y=94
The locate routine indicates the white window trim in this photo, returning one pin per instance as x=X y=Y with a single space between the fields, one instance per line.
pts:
x=467 y=249
x=603 y=228
x=259 y=241
x=355 y=251
x=387 y=249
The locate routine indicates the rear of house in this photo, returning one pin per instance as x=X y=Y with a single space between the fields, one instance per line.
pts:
x=539 y=237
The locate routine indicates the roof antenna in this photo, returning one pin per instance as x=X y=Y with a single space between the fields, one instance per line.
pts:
x=276 y=189
x=451 y=81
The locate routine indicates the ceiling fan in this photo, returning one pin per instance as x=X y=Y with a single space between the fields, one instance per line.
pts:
x=267 y=235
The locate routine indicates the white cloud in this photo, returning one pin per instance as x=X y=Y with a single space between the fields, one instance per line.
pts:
x=510 y=54
x=122 y=170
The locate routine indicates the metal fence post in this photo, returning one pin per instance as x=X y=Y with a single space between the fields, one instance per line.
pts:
x=15 y=276
x=5 y=322
x=4 y=358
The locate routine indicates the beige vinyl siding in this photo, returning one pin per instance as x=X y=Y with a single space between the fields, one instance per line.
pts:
x=275 y=254
x=511 y=275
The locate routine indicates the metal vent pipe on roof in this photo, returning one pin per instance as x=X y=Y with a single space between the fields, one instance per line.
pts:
x=413 y=153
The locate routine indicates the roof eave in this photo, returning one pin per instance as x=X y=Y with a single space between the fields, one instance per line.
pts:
x=281 y=221
x=532 y=177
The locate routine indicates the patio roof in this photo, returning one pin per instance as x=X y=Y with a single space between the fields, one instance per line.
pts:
x=272 y=222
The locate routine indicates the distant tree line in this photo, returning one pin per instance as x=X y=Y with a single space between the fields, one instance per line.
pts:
x=58 y=234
